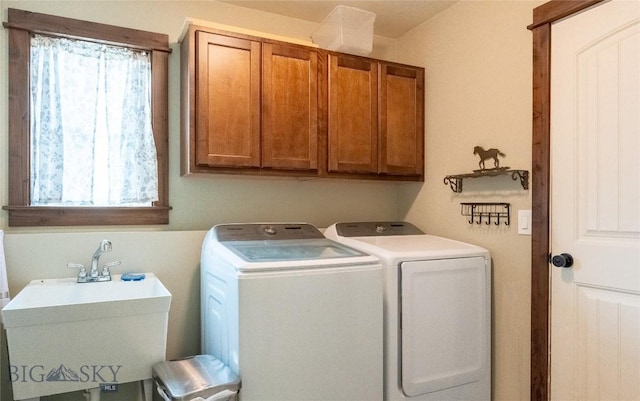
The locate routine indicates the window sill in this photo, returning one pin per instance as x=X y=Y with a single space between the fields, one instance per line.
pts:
x=33 y=216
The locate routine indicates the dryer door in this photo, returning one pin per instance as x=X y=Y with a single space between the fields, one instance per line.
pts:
x=445 y=323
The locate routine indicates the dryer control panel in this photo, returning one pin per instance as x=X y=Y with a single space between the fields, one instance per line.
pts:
x=376 y=228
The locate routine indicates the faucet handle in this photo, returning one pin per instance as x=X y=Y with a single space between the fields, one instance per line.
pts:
x=83 y=271
x=105 y=268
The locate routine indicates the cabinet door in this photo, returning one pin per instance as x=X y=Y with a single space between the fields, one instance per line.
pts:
x=401 y=120
x=353 y=115
x=289 y=107
x=227 y=101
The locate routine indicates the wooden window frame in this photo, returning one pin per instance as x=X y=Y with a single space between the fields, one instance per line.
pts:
x=22 y=25
x=543 y=17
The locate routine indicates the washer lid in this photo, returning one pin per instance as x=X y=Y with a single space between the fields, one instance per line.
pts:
x=290 y=250
x=278 y=246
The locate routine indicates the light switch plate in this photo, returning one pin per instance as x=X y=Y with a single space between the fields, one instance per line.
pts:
x=524 y=222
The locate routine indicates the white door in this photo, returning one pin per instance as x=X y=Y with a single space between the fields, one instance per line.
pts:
x=595 y=204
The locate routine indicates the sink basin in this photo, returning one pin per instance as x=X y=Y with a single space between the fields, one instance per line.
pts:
x=64 y=336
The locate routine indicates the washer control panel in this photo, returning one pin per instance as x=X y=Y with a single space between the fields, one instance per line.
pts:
x=257 y=232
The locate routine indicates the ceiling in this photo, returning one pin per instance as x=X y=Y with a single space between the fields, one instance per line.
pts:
x=393 y=17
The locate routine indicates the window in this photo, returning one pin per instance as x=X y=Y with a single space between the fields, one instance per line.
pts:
x=87 y=123
x=91 y=137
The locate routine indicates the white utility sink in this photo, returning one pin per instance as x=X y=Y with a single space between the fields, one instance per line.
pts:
x=64 y=336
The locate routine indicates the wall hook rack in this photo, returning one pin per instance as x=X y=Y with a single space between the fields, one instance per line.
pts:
x=487 y=212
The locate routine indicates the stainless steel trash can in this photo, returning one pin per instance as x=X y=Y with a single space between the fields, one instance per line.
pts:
x=196 y=378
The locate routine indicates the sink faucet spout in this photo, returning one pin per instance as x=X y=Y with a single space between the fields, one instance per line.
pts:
x=105 y=246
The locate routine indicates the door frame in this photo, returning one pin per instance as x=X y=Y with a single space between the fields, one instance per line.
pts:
x=543 y=17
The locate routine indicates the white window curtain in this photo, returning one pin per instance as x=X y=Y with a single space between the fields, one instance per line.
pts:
x=91 y=136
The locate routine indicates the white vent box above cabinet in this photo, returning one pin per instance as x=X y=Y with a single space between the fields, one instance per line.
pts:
x=346 y=29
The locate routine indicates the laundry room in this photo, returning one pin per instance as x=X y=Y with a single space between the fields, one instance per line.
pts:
x=477 y=62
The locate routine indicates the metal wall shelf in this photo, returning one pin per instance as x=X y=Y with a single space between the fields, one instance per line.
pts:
x=455 y=181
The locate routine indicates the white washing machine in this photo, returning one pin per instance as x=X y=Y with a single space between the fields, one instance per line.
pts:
x=295 y=315
x=437 y=310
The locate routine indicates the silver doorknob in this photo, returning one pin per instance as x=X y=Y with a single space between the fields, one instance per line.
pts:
x=562 y=260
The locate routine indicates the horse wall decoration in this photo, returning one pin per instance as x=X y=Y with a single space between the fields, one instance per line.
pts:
x=489 y=154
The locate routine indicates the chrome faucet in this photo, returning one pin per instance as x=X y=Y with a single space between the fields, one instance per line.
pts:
x=105 y=246
x=94 y=276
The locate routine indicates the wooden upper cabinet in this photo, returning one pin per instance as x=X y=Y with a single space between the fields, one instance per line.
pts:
x=353 y=115
x=227 y=101
x=401 y=120
x=289 y=107
x=376 y=117
x=252 y=105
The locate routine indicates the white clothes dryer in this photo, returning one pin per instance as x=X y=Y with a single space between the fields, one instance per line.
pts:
x=295 y=315
x=437 y=311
